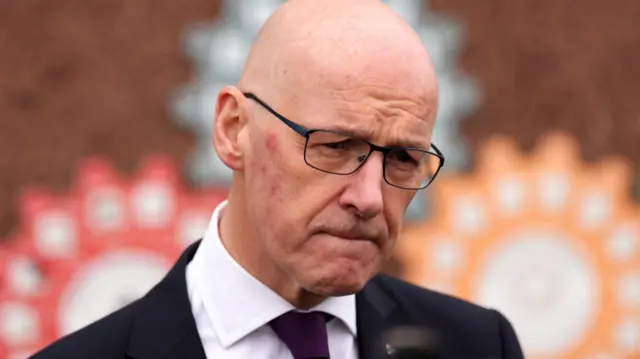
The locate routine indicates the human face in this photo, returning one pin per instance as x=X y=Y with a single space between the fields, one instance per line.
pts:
x=331 y=233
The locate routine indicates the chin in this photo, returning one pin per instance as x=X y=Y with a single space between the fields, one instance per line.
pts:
x=338 y=285
x=335 y=291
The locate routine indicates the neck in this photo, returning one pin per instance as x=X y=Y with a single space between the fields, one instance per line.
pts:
x=244 y=244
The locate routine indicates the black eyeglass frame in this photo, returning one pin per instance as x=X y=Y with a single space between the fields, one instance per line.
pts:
x=307 y=132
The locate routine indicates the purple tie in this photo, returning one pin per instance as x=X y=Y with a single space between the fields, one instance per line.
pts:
x=305 y=334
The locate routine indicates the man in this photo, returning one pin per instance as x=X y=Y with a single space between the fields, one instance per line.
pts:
x=329 y=136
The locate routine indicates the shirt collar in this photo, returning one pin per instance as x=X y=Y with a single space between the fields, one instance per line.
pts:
x=237 y=303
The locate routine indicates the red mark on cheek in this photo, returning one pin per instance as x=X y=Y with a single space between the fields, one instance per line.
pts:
x=276 y=188
x=272 y=142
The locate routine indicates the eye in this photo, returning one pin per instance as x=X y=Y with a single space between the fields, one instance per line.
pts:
x=404 y=157
x=340 y=145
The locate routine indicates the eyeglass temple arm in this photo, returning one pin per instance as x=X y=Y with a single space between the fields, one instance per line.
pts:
x=301 y=130
x=439 y=153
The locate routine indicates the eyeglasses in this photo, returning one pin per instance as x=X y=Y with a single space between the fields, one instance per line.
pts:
x=343 y=154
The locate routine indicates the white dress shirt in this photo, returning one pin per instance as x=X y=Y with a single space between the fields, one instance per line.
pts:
x=232 y=309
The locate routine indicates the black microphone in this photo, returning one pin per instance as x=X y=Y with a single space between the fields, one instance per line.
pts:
x=410 y=342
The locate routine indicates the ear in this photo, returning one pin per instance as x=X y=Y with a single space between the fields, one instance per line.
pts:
x=229 y=124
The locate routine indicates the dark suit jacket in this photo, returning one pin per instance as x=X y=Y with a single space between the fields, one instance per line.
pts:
x=160 y=324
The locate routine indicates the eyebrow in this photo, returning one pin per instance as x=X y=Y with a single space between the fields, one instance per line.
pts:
x=408 y=143
x=359 y=134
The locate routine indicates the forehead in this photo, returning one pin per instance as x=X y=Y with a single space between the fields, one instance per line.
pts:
x=386 y=96
x=381 y=114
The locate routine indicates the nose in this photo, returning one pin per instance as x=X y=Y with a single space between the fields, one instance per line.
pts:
x=363 y=195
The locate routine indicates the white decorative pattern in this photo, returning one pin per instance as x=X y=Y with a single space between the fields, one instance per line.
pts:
x=624 y=242
x=18 y=324
x=510 y=195
x=153 y=203
x=469 y=215
x=105 y=209
x=108 y=283
x=595 y=209
x=448 y=256
x=629 y=291
x=628 y=335
x=72 y=264
x=554 y=188
x=539 y=279
x=55 y=234
x=23 y=276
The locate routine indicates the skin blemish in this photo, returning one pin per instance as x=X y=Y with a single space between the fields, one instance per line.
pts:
x=276 y=188
x=272 y=142
x=272 y=145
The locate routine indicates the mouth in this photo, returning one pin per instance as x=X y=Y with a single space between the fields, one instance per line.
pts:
x=348 y=236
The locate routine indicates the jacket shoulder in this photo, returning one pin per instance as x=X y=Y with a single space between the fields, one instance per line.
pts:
x=106 y=338
x=416 y=299
x=463 y=326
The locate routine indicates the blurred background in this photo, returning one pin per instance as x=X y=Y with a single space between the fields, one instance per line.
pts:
x=107 y=170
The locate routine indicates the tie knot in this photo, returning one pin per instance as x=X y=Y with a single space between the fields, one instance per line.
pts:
x=304 y=333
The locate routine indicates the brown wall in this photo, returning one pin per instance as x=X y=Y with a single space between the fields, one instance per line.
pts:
x=84 y=77
x=554 y=64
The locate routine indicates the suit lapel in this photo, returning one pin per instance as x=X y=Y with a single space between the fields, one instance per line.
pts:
x=374 y=316
x=164 y=326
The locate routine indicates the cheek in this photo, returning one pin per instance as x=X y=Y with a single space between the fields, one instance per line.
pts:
x=271 y=142
x=271 y=186
x=396 y=204
x=270 y=169
x=271 y=178
x=285 y=192
x=282 y=169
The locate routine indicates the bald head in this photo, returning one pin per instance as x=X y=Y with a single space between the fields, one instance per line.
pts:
x=310 y=45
